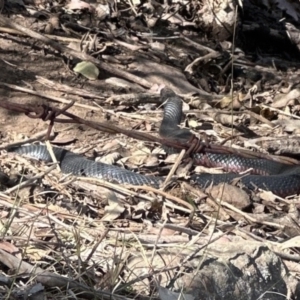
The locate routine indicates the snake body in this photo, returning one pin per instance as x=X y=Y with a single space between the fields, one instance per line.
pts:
x=81 y=166
x=279 y=178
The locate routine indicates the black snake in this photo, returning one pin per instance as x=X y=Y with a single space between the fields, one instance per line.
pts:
x=279 y=178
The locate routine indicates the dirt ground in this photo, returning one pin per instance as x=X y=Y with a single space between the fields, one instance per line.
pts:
x=21 y=63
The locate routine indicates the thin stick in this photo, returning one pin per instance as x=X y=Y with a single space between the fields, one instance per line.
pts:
x=174 y=168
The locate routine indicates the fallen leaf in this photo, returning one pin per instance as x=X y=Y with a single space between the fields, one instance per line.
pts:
x=282 y=100
x=109 y=158
x=36 y=253
x=79 y=5
x=114 y=208
x=87 y=69
x=291 y=243
x=138 y=157
x=230 y=194
x=10 y=248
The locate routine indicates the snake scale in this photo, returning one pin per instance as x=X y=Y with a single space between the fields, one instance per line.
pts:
x=279 y=178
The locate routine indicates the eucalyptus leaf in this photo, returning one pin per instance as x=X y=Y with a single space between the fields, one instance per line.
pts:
x=87 y=69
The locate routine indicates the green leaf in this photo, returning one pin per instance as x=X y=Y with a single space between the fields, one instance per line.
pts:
x=87 y=69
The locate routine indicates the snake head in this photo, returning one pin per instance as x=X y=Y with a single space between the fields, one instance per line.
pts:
x=166 y=93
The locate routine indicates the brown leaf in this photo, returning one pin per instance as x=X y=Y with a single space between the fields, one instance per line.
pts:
x=10 y=248
x=283 y=100
x=109 y=158
x=138 y=157
x=230 y=194
x=114 y=208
